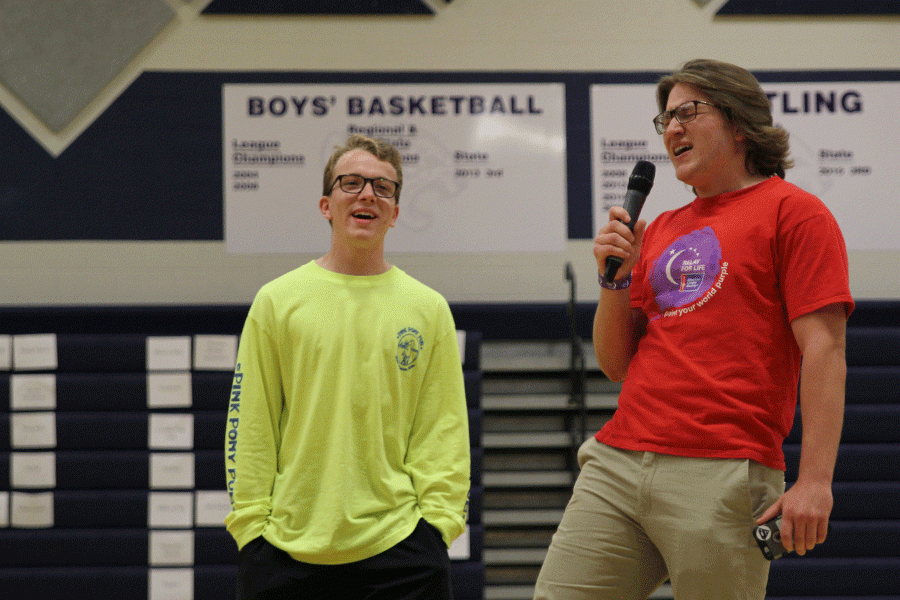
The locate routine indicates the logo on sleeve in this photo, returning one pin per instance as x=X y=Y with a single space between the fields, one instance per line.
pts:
x=409 y=346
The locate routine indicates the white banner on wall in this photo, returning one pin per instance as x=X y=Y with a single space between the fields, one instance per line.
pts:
x=484 y=164
x=839 y=143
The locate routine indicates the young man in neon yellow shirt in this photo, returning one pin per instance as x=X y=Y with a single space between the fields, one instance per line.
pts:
x=347 y=446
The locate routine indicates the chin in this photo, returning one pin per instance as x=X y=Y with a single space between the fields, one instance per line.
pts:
x=684 y=174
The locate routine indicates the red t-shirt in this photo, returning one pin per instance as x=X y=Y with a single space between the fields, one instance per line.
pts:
x=720 y=280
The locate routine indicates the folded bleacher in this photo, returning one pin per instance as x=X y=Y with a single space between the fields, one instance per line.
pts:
x=861 y=557
x=112 y=425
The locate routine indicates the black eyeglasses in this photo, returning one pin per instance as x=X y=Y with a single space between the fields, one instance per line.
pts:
x=684 y=113
x=354 y=184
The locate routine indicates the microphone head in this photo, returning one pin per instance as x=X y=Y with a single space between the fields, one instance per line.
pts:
x=642 y=177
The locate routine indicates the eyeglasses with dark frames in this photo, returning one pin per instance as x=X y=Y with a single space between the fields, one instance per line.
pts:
x=354 y=184
x=683 y=113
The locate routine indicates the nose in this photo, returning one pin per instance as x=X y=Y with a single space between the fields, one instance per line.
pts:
x=674 y=124
x=368 y=190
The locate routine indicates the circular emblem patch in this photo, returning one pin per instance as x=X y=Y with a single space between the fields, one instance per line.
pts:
x=409 y=346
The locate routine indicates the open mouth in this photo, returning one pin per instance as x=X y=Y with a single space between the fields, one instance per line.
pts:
x=364 y=215
x=682 y=149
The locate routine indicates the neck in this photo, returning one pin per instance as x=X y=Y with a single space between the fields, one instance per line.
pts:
x=354 y=262
x=733 y=186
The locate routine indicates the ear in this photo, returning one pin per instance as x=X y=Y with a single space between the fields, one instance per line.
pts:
x=325 y=207
x=396 y=213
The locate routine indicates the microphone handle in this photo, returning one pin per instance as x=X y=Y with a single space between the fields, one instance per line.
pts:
x=612 y=265
x=634 y=202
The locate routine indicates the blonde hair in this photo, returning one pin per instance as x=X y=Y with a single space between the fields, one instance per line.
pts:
x=381 y=149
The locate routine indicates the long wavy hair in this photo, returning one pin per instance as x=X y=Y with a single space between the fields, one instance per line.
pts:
x=737 y=93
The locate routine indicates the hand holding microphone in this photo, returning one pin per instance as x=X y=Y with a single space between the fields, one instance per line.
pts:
x=639 y=185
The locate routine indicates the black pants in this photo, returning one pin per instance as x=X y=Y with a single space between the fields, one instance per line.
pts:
x=416 y=568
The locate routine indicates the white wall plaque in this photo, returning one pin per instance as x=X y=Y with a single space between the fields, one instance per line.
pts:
x=5 y=352
x=460 y=548
x=32 y=469
x=33 y=430
x=4 y=509
x=169 y=390
x=171 y=584
x=172 y=470
x=171 y=431
x=212 y=508
x=32 y=392
x=32 y=510
x=170 y=509
x=35 y=352
x=171 y=548
x=215 y=352
x=484 y=165
x=836 y=139
x=169 y=353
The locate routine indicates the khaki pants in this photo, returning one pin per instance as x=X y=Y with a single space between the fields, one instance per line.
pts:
x=638 y=518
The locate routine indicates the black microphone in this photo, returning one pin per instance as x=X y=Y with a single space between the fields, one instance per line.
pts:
x=639 y=185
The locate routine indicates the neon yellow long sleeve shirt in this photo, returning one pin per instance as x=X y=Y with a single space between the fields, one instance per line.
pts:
x=347 y=421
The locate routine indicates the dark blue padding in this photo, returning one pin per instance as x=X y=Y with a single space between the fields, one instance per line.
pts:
x=472 y=382
x=873 y=385
x=476 y=418
x=875 y=313
x=494 y=321
x=102 y=431
x=472 y=351
x=101 y=391
x=214 y=546
x=5 y=398
x=211 y=390
x=209 y=430
x=91 y=319
x=477 y=459
x=129 y=469
x=873 y=346
x=73 y=547
x=215 y=582
x=101 y=353
x=866 y=500
x=468 y=580
x=476 y=543
x=855 y=462
x=76 y=583
x=5 y=439
x=795 y=576
x=860 y=539
x=129 y=430
x=100 y=508
x=4 y=471
x=103 y=470
x=862 y=423
x=210 y=468
x=476 y=504
x=59 y=547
